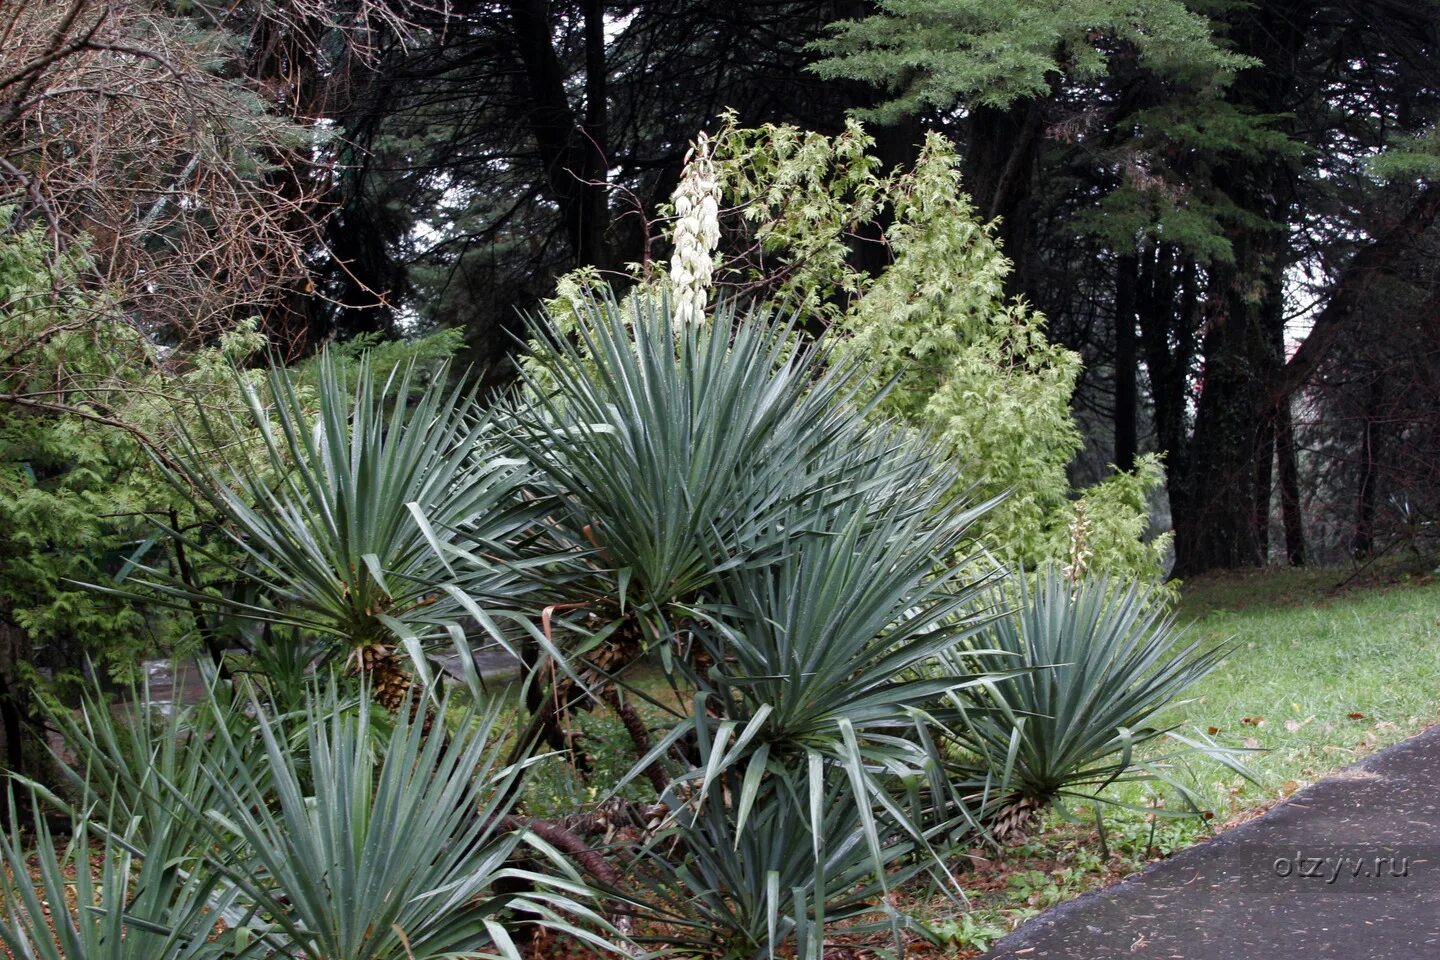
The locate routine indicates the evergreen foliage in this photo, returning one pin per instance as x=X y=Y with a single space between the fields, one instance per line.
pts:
x=936 y=54
x=971 y=367
x=76 y=494
x=94 y=417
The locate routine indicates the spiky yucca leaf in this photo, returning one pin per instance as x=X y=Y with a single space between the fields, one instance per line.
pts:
x=723 y=889
x=130 y=758
x=838 y=625
x=359 y=853
x=812 y=764
x=130 y=891
x=677 y=451
x=1101 y=663
x=371 y=513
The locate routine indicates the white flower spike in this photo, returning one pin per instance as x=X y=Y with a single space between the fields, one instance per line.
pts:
x=697 y=234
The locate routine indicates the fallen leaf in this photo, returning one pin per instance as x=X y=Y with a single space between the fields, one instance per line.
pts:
x=1289 y=787
x=1356 y=716
x=1212 y=730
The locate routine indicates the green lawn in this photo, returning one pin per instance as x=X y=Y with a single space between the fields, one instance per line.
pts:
x=1322 y=679
x=1304 y=663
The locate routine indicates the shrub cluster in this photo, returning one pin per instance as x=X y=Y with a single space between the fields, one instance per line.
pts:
x=701 y=529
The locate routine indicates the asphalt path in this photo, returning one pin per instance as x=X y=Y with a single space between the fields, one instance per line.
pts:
x=1347 y=868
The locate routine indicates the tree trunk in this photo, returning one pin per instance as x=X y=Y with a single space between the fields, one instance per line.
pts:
x=572 y=149
x=1003 y=147
x=1264 y=486
x=1362 y=544
x=596 y=132
x=1168 y=312
x=1226 y=516
x=1167 y=325
x=1217 y=528
x=1274 y=323
x=14 y=706
x=1126 y=443
x=1289 y=485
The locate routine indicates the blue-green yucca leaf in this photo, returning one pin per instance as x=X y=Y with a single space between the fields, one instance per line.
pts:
x=131 y=759
x=366 y=513
x=742 y=893
x=675 y=452
x=127 y=891
x=1102 y=661
x=359 y=851
x=840 y=624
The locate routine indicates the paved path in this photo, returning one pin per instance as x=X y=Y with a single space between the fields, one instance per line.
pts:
x=1347 y=868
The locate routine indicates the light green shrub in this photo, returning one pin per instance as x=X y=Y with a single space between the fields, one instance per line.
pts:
x=972 y=368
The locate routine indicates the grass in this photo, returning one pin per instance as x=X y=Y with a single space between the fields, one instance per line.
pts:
x=1316 y=679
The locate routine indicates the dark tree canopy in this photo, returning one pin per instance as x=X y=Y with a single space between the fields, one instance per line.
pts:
x=1215 y=204
x=1222 y=205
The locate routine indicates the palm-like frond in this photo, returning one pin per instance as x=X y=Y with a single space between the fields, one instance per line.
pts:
x=133 y=891
x=368 y=513
x=813 y=772
x=675 y=452
x=1100 y=663
x=839 y=624
x=131 y=758
x=743 y=891
x=393 y=852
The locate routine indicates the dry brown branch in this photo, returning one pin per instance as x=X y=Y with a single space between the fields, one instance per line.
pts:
x=192 y=169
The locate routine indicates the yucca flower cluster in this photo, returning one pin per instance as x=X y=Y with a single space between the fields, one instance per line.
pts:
x=1080 y=549
x=697 y=234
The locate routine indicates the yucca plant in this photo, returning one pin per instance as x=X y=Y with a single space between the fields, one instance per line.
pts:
x=129 y=890
x=714 y=887
x=677 y=453
x=1097 y=663
x=370 y=514
x=136 y=881
x=811 y=769
x=836 y=628
x=673 y=452
x=353 y=852
x=791 y=565
x=820 y=661
x=131 y=758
